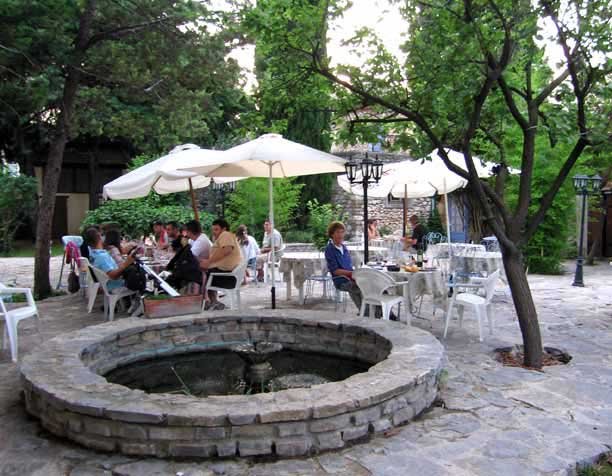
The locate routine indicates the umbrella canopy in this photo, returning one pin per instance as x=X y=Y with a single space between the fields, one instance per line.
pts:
x=162 y=175
x=272 y=156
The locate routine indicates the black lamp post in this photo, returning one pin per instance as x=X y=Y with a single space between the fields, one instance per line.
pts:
x=584 y=186
x=365 y=172
x=222 y=190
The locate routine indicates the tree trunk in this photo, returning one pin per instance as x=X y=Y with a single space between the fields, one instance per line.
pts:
x=53 y=167
x=525 y=308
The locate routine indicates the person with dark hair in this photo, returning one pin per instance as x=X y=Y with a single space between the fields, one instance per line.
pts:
x=225 y=256
x=173 y=231
x=186 y=275
x=248 y=245
x=159 y=233
x=112 y=244
x=417 y=240
x=101 y=259
x=200 y=244
x=340 y=264
x=373 y=229
x=84 y=248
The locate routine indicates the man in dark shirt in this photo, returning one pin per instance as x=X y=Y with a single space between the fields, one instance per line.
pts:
x=417 y=240
x=340 y=264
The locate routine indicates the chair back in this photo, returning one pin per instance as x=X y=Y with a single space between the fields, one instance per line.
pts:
x=372 y=282
x=101 y=277
x=433 y=238
x=3 y=310
x=489 y=285
x=77 y=240
x=239 y=272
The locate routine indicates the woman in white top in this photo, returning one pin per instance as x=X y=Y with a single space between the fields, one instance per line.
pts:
x=248 y=246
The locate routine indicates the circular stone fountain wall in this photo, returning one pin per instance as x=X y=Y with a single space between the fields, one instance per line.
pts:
x=65 y=388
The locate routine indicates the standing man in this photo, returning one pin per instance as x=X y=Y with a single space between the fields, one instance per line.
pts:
x=272 y=238
x=417 y=240
x=225 y=256
x=159 y=233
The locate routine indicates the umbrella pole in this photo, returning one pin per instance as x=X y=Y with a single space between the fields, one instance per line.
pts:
x=271 y=196
x=448 y=230
x=196 y=215
x=405 y=216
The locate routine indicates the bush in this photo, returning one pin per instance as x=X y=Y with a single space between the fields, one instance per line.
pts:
x=298 y=236
x=17 y=204
x=321 y=215
x=248 y=204
x=136 y=215
x=434 y=222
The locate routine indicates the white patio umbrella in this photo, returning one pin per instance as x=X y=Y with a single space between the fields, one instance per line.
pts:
x=272 y=156
x=164 y=175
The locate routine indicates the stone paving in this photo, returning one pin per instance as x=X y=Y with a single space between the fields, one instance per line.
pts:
x=491 y=420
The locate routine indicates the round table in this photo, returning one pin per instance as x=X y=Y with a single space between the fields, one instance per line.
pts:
x=296 y=267
x=416 y=285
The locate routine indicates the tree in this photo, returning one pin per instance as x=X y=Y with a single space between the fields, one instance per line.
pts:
x=156 y=76
x=17 y=203
x=471 y=67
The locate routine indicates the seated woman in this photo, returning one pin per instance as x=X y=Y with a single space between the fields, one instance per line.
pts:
x=112 y=244
x=101 y=259
x=224 y=257
x=186 y=276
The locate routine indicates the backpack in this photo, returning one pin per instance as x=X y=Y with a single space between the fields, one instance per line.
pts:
x=135 y=278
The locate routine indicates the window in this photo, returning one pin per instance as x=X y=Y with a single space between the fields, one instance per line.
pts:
x=393 y=202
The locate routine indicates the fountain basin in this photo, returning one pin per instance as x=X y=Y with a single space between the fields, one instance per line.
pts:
x=66 y=389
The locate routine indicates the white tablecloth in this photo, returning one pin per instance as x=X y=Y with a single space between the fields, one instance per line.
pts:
x=421 y=283
x=296 y=267
x=482 y=262
x=440 y=250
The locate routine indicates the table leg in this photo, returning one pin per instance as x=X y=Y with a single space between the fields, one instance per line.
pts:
x=289 y=284
x=301 y=294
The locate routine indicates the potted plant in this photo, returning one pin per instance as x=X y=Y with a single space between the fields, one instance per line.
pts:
x=163 y=305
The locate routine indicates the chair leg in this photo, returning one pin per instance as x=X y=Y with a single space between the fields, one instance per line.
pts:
x=461 y=311
x=451 y=305
x=59 y=281
x=362 y=309
x=478 y=310
x=489 y=318
x=11 y=327
x=238 y=304
x=93 y=293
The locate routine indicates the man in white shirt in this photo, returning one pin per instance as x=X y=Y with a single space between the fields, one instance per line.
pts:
x=200 y=244
x=271 y=238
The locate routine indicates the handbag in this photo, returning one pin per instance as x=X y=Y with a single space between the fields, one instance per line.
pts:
x=73 y=282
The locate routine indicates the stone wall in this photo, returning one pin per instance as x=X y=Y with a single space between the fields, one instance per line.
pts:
x=64 y=387
x=389 y=215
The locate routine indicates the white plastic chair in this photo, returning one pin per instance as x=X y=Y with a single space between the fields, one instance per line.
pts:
x=110 y=299
x=12 y=317
x=234 y=293
x=374 y=284
x=88 y=284
x=480 y=304
x=77 y=240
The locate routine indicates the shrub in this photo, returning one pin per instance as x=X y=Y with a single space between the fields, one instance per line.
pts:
x=298 y=236
x=321 y=215
x=136 y=215
x=17 y=204
x=248 y=204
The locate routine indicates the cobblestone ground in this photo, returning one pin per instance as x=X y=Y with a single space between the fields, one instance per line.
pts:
x=495 y=420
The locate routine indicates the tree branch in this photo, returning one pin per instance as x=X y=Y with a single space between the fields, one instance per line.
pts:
x=547 y=91
x=122 y=32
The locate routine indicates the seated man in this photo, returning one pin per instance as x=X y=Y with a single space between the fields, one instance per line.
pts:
x=173 y=231
x=271 y=238
x=200 y=244
x=159 y=233
x=225 y=256
x=186 y=276
x=340 y=264
x=101 y=259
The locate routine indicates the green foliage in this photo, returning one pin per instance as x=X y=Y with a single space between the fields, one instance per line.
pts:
x=17 y=204
x=434 y=222
x=321 y=215
x=298 y=236
x=249 y=204
x=169 y=82
x=136 y=215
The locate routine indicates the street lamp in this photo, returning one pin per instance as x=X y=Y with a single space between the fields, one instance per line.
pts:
x=584 y=185
x=365 y=172
x=222 y=189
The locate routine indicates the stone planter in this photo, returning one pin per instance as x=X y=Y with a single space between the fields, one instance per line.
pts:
x=172 y=306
